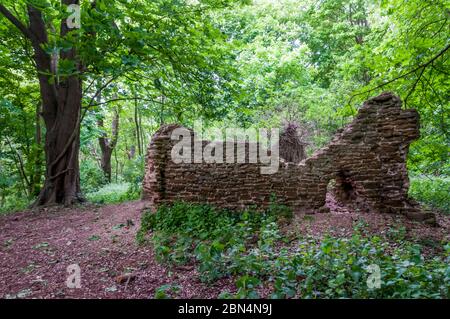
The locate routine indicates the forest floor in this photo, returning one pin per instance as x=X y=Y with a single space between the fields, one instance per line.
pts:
x=36 y=247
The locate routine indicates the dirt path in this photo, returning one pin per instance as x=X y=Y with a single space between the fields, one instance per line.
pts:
x=37 y=247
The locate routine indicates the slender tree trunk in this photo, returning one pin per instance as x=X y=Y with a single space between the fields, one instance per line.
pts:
x=136 y=123
x=162 y=109
x=107 y=145
x=2 y=200
x=132 y=152
x=38 y=162
x=20 y=167
x=106 y=152
x=117 y=164
x=141 y=131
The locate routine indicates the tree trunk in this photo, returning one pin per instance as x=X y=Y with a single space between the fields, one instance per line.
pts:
x=38 y=162
x=131 y=152
x=141 y=131
x=106 y=152
x=61 y=102
x=107 y=145
x=62 y=144
x=20 y=167
x=136 y=123
x=106 y=164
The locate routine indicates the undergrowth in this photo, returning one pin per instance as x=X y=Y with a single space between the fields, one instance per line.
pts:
x=250 y=247
x=14 y=204
x=432 y=191
x=114 y=193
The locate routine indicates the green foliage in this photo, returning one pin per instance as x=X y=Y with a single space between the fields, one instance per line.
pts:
x=10 y=200
x=166 y=291
x=431 y=191
x=248 y=246
x=429 y=155
x=13 y=204
x=91 y=177
x=278 y=78
x=338 y=268
x=94 y=238
x=304 y=61
x=184 y=231
x=133 y=173
x=112 y=193
x=147 y=224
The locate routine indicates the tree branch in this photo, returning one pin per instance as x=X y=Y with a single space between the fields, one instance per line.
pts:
x=414 y=86
x=422 y=66
x=100 y=89
x=19 y=25
x=115 y=129
x=125 y=99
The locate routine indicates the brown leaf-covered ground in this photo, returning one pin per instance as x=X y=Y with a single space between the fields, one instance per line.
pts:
x=36 y=247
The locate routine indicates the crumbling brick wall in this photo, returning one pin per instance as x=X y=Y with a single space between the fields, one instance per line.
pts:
x=366 y=159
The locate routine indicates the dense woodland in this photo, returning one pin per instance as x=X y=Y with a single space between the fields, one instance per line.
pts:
x=78 y=106
x=130 y=68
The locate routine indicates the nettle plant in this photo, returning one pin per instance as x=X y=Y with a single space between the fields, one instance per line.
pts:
x=250 y=247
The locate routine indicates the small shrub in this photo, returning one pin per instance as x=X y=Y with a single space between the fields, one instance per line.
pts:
x=166 y=291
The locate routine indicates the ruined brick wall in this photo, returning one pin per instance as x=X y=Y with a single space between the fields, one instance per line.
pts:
x=366 y=159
